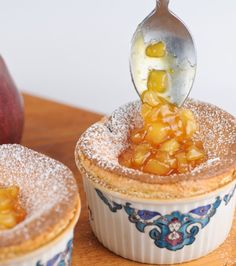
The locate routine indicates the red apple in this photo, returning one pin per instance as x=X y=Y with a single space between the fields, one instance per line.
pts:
x=11 y=108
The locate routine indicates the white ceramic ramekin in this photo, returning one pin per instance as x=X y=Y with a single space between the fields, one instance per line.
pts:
x=56 y=253
x=160 y=232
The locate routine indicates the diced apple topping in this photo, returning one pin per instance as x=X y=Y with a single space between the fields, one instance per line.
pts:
x=157 y=50
x=141 y=153
x=151 y=98
x=154 y=166
x=183 y=165
x=194 y=154
x=146 y=111
x=157 y=133
x=189 y=122
x=11 y=213
x=167 y=159
x=137 y=136
x=165 y=144
x=158 y=81
x=126 y=158
x=167 y=110
x=170 y=146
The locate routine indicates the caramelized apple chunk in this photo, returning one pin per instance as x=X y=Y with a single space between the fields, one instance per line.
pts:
x=11 y=212
x=165 y=144
x=194 y=154
x=157 y=50
x=151 y=98
x=170 y=146
x=183 y=165
x=137 y=135
x=153 y=166
x=189 y=122
x=141 y=153
x=158 y=81
x=157 y=133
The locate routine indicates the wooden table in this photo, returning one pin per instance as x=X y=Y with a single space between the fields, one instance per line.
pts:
x=53 y=129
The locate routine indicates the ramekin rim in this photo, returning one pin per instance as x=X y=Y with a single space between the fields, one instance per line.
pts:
x=186 y=200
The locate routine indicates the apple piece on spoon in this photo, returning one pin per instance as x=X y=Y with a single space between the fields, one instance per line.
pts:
x=11 y=108
x=163 y=52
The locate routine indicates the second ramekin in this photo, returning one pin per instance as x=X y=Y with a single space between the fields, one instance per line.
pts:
x=56 y=253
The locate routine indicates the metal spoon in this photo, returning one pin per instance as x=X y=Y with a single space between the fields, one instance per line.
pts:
x=180 y=62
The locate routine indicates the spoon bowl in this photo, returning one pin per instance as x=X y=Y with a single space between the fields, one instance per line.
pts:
x=180 y=60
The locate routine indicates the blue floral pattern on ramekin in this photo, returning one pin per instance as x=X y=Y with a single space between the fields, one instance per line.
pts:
x=171 y=231
x=113 y=206
x=60 y=259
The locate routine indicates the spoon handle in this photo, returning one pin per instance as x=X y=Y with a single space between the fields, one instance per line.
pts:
x=162 y=4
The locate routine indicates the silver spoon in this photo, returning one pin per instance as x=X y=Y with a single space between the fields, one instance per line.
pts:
x=180 y=59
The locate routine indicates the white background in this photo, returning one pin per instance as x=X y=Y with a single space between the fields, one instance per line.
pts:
x=77 y=51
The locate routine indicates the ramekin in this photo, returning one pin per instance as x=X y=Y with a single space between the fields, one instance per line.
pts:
x=160 y=231
x=56 y=253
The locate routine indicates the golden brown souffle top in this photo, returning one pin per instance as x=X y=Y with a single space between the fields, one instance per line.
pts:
x=98 y=149
x=48 y=193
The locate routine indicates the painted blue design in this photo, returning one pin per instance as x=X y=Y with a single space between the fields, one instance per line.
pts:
x=147 y=215
x=171 y=231
x=201 y=211
x=113 y=206
x=60 y=259
x=229 y=196
x=174 y=231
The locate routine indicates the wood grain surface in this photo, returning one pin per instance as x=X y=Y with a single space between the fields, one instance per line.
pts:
x=53 y=129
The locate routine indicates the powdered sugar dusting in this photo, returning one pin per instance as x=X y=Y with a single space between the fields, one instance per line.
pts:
x=45 y=186
x=217 y=128
x=104 y=141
